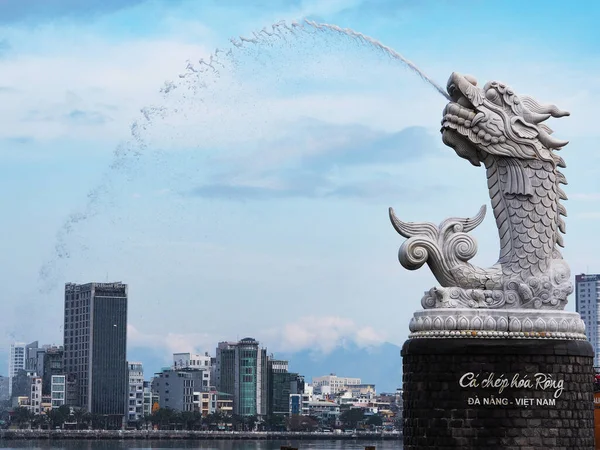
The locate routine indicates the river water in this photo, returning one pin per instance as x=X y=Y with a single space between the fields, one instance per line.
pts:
x=206 y=444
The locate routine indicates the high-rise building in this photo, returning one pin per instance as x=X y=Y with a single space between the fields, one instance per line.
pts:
x=280 y=386
x=53 y=365
x=242 y=372
x=587 y=297
x=135 y=399
x=95 y=343
x=224 y=369
x=17 y=360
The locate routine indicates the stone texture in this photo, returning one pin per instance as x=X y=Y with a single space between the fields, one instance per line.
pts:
x=494 y=127
x=436 y=410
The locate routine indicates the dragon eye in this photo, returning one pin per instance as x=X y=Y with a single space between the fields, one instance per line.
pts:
x=492 y=95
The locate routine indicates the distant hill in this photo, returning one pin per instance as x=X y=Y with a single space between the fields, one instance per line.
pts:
x=380 y=365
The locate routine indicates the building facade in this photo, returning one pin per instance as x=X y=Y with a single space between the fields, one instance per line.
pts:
x=176 y=389
x=58 y=390
x=135 y=396
x=34 y=359
x=17 y=359
x=191 y=361
x=147 y=409
x=53 y=365
x=35 y=396
x=95 y=340
x=205 y=402
x=332 y=384
x=4 y=388
x=242 y=372
x=587 y=297
x=281 y=384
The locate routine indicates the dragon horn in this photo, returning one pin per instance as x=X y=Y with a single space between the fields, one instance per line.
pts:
x=535 y=107
x=535 y=118
x=549 y=141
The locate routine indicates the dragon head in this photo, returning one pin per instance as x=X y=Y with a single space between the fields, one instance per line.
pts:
x=494 y=120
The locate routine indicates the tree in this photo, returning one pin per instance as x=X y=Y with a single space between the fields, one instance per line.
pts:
x=351 y=417
x=190 y=420
x=163 y=417
x=250 y=422
x=276 y=422
x=302 y=423
x=375 y=420
x=21 y=416
x=78 y=416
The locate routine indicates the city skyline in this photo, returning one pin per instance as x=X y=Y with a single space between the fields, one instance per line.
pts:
x=279 y=229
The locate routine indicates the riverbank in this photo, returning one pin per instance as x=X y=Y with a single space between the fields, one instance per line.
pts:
x=188 y=435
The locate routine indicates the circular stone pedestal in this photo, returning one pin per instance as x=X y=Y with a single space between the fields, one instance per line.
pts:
x=498 y=394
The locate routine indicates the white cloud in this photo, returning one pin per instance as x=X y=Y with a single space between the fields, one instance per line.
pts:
x=89 y=92
x=321 y=333
x=171 y=342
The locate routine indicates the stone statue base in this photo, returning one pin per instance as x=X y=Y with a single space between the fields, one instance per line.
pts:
x=497 y=323
x=498 y=393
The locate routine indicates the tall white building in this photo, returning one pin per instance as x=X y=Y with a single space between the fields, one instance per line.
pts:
x=332 y=384
x=17 y=360
x=587 y=297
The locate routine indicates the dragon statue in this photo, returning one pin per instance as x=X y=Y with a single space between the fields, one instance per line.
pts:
x=503 y=131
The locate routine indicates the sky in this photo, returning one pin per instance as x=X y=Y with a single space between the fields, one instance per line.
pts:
x=247 y=194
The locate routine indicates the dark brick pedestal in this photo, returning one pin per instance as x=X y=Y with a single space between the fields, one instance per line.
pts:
x=484 y=394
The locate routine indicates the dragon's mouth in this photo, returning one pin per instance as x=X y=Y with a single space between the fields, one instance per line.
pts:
x=460 y=118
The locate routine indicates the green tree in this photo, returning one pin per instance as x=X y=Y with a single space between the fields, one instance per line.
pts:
x=163 y=418
x=21 y=417
x=190 y=420
x=276 y=422
x=351 y=417
x=78 y=416
x=375 y=421
x=250 y=422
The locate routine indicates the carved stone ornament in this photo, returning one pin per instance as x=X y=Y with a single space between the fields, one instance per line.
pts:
x=503 y=131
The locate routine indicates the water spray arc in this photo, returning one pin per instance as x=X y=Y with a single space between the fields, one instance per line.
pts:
x=197 y=76
x=280 y=29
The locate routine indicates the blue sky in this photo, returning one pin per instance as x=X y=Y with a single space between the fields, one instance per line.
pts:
x=254 y=201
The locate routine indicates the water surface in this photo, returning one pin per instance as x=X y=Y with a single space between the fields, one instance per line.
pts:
x=203 y=444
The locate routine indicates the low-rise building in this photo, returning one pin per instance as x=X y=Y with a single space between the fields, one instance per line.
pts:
x=175 y=388
x=333 y=384
x=135 y=399
x=224 y=403
x=147 y=408
x=325 y=411
x=35 y=396
x=205 y=402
